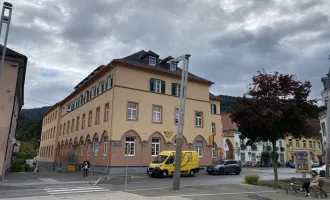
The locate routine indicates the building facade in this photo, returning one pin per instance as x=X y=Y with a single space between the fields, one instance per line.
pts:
x=129 y=107
x=11 y=101
x=313 y=144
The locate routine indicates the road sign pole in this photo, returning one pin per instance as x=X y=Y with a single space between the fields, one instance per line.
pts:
x=179 y=136
x=128 y=149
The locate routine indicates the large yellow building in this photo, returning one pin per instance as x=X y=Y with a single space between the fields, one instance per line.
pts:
x=313 y=144
x=133 y=100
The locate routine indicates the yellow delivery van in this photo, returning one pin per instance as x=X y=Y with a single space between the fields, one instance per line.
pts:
x=163 y=165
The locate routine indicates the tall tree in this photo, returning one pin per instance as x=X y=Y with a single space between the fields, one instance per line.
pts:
x=275 y=105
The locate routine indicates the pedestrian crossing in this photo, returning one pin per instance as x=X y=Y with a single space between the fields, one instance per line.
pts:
x=75 y=190
x=271 y=170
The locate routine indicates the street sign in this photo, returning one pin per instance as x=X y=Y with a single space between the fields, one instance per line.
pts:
x=96 y=146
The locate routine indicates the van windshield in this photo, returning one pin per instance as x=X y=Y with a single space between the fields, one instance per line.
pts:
x=160 y=159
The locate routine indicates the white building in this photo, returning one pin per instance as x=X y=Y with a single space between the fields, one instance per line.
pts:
x=249 y=154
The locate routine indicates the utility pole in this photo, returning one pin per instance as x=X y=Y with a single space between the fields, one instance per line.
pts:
x=5 y=19
x=179 y=136
x=326 y=98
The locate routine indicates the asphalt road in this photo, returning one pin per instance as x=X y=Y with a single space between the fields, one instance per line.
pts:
x=71 y=184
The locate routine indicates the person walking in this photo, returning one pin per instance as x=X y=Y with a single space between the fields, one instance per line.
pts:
x=86 y=166
x=314 y=182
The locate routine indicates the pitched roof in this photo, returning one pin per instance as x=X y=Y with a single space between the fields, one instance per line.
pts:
x=227 y=123
x=138 y=59
x=12 y=53
x=212 y=96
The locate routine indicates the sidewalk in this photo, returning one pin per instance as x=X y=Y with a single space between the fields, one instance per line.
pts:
x=224 y=192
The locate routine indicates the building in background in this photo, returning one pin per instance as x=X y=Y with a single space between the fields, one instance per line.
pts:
x=313 y=144
x=11 y=101
x=323 y=115
x=129 y=107
x=229 y=128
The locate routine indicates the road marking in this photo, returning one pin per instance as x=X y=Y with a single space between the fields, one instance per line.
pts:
x=57 y=191
x=98 y=180
x=216 y=194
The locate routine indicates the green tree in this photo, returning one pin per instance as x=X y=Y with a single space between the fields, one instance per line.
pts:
x=274 y=106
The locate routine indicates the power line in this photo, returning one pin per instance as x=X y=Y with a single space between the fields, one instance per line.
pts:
x=37 y=101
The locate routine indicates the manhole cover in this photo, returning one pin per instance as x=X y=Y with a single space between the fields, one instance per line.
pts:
x=257 y=197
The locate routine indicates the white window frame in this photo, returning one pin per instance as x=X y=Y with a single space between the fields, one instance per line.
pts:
x=109 y=78
x=199 y=149
x=86 y=96
x=152 y=60
x=172 y=66
x=90 y=119
x=155 y=144
x=213 y=128
x=177 y=89
x=106 y=112
x=105 y=148
x=156 y=114
x=131 y=110
x=93 y=92
x=100 y=87
x=157 y=86
x=213 y=152
x=176 y=120
x=98 y=111
x=132 y=147
x=198 y=119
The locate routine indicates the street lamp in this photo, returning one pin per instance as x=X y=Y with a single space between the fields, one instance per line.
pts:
x=5 y=19
x=179 y=135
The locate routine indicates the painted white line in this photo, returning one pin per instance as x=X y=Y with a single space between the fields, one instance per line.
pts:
x=71 y=188
x=82 y=191
x=160 y=188
x=98 y=180
x=135 y=182
x=217 y=194
x=76 y=189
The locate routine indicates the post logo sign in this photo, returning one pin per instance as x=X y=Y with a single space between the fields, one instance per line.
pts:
x=168 y=134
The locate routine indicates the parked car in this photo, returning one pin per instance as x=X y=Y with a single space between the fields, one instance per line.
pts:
x=225 y=167
x=314 y=164
x=320 y=170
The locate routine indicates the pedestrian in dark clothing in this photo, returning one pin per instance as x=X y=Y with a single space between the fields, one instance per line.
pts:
x=86 y=166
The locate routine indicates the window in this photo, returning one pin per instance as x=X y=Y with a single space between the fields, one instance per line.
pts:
x=68 y=129
x=88 y=148
x=97 y=119
x=172 y=66
x=90 y=118
x=109 y=82
x=199 y=148
x=213 y=152
x=72 y=126
x=310 y=144
x=100 y=87
x=80 y=100
x=319 y=144
x=64 y=129
x=105 y=148
x=60 y=129
x=156 y=114
x=152 y=61
x=199 y=119
x=132 y=111
x=323 y=129
x=213 y=108
x=297 y=143
x=314 y=145
x=155 y=146
x=304 y=143
x=213 y=127
x=290 y=142
x=130 y=146
x=176 y=116
x=83 y=121
x=75 y=103
x=92 y=92
x=157 y=86
x=86 y=96
x=106 y=112
x=77 y=125
x=81 y=150
x=176 y=89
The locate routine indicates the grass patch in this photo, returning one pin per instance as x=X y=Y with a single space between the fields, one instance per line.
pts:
x=281 y=184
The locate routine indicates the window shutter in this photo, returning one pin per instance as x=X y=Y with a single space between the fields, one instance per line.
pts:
x=152 y=84
x=173 y=89
x=163 y=87
x=111 y=81
x=106 y=85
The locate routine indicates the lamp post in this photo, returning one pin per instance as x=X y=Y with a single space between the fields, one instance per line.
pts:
x=179 y=136
x=5 y=19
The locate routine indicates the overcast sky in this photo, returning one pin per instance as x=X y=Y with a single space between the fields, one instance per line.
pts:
x=229 y=40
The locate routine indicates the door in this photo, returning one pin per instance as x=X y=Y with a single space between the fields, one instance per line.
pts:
x=169 y=164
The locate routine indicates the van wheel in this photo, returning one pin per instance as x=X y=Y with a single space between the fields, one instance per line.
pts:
x=192 y=173
x=164 y=174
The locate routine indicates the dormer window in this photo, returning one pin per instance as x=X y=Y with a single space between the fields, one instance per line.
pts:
x=152 y=60
x=172 y=66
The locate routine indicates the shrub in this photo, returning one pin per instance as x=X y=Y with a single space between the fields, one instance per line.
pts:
x=251 y=179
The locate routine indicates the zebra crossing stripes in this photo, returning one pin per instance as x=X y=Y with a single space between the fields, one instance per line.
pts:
x=75 y=190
